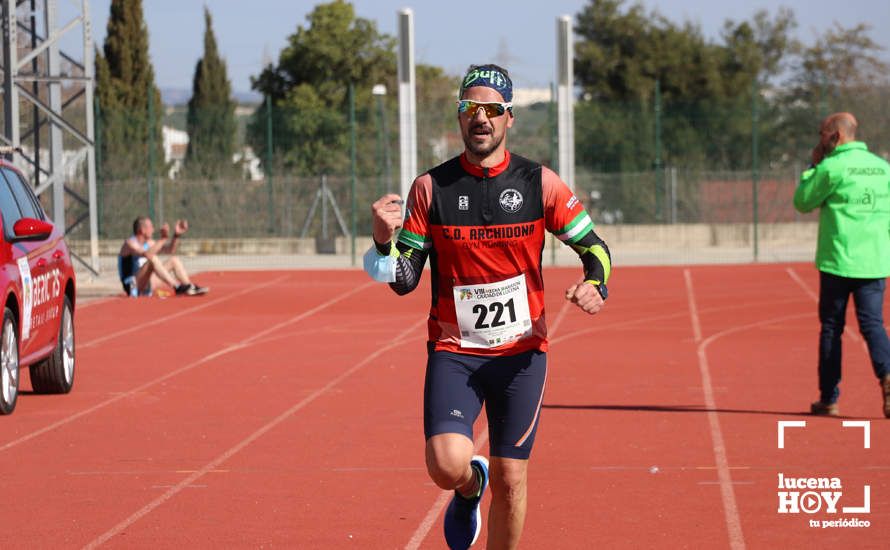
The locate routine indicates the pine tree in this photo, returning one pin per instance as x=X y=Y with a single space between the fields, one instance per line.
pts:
x=211 y=112
x=128 y=96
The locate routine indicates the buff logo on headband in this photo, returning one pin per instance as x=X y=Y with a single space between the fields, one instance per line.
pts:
x=490 y=78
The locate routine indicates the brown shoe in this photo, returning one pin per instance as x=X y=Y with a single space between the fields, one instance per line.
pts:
x=819 y=408
x=885 y=388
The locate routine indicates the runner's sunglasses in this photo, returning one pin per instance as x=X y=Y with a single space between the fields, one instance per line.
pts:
x=492 y=108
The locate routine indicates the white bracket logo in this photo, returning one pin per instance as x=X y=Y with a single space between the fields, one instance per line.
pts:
x=811 y=502
x=864 y=424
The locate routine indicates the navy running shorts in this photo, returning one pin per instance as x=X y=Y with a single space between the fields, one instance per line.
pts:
x=511 y=387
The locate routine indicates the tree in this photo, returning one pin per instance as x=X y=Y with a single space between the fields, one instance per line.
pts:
x=706 y=87
x=129 y=101
x=308 y=88
x=436 y=115
x=702 y=118
x=211 y=113
x=840 y=71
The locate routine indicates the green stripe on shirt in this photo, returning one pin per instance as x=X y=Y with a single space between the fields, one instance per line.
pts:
x=414 y=240
x=576 y=229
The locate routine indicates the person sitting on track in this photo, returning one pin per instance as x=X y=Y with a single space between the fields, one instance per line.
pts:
x=141 y=270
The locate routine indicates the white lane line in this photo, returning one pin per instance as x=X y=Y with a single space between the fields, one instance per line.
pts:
x=166 y=318
x=83 y=303
x=559 y=317
x=730 y=509
x=801 y=283
x=206 y=359
x=806 y=288
x=693 y=308
x=441 y=501
x=215 y=463
x=653 y=319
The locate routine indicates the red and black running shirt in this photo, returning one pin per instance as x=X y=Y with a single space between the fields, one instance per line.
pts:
x=484 y=231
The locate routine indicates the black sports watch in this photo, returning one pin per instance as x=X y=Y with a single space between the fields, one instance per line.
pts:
x=603 y=290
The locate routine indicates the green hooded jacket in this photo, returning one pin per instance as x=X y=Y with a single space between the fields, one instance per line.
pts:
x=852 y=188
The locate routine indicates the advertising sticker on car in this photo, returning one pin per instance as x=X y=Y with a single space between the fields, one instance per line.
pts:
x=27 y=296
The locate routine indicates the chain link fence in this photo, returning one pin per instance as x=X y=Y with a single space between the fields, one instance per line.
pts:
x=663 y=180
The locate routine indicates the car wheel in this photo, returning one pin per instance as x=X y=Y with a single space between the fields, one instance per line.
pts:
x=55 y=374
x=9 y=363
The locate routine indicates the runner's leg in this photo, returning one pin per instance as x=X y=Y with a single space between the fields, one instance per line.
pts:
x=451 y=405
x=152 y=274
x=174 y=265
x=506 y=517
x=514 y=392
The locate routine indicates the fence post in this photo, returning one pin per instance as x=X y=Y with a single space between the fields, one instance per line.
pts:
x=755 y=167
x=269 y=152
x=379 y=91
x=352 y=169
x=554 y=154
x=659 y=176
x=150 y=172
x=97 y=147
x=673 y=194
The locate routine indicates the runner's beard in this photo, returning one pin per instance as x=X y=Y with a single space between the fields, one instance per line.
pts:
x=479 y=149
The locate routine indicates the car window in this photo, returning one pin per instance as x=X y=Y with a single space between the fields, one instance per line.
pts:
x=23 y=197
x=8 y=207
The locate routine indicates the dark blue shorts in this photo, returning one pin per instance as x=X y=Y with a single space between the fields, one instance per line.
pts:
x=511 y=387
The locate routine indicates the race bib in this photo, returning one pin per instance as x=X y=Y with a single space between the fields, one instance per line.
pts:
x=492 y=314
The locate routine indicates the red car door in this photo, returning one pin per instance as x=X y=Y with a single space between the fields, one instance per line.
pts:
x=32 y=260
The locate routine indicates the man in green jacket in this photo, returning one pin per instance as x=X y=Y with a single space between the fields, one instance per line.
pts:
x=851 y=187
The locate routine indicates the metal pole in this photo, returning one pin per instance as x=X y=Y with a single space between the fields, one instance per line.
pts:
x=56 y=142
x=97 y=117
x=88 y=73
x=407 y=102
x=35 y=87
x=755 y=168
x=387 y=162
x=673 y=194
x=658 y=172
x=269 y=153
x=352 y=169
x=380 y=161
x=151 y=153
x=554 y=153
x=324 y=208
x=10 y=91
x=566 y=85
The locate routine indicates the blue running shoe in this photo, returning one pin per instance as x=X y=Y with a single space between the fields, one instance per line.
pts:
x=463 y=519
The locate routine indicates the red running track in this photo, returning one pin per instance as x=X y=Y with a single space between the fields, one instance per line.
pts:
x=284 y=410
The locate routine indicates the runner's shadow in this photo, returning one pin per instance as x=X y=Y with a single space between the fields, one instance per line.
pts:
x=673 y=408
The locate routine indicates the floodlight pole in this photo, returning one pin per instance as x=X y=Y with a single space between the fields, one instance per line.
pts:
x=407 y=102
x=565 y=97
x=18 y=73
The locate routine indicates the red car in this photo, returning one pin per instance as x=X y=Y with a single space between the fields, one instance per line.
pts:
x=37 y=280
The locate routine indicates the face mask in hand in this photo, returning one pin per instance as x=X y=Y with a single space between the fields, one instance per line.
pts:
x=380 y=268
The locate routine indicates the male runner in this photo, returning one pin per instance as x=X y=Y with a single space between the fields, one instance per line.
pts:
x=481 y=218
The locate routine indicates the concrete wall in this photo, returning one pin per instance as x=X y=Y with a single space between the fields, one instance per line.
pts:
x=675 y=236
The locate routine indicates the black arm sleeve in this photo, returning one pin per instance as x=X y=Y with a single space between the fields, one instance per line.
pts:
x=409 y=266
x=595 y=257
